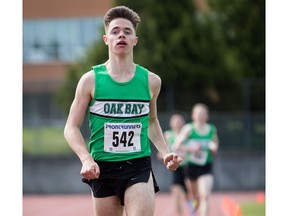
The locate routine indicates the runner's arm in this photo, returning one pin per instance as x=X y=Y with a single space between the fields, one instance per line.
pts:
x=214 y=144
x=74 y=121
x=171 y=160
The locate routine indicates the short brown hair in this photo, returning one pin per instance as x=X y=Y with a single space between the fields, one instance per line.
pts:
x=201 y=105
x=121 y=12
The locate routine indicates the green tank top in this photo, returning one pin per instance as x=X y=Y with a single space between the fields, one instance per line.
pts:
x=170 y=142
x=171 y=138
x=205 y=156
x=118 y=116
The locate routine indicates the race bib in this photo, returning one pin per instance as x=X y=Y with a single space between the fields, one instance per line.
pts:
x=122 y=137
x=204 y=143
x=199 y=157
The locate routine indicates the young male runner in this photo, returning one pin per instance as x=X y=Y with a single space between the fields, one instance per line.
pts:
x=121 y=97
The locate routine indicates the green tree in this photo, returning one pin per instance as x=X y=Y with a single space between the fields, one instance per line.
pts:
x=201 y=55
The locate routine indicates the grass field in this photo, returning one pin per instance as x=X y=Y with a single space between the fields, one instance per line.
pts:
x=253 y=209
x=44 y=140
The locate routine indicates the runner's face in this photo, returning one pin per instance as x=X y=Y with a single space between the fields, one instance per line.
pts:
x=199 y=114
x=176 y=122
x=120 y=36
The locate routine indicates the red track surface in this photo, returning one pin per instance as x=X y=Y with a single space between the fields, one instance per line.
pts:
x=81 y=205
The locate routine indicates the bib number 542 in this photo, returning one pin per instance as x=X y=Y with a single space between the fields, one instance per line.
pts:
x=125 y=138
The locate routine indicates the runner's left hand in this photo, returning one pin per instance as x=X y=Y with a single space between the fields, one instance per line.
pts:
x=172 y=161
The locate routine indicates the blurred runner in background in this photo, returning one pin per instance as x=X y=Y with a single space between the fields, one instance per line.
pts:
x=200 y=140
x=178 y=187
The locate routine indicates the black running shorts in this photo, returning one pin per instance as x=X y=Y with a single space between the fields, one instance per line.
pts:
x=179 y=177
x=193 y=172
x=115 y=177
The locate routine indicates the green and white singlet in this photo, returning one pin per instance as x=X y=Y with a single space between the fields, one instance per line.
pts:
x=204 y=156
x=170 y=142
x=171 y=138
x=118 y=116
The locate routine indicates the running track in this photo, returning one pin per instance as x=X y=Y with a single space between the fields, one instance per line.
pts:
x=80 y=205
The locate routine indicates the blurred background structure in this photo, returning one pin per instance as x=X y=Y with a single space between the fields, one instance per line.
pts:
x=209 y=51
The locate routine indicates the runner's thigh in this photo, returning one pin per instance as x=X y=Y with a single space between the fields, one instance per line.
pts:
x=107 y=206
x=140 y=199
x=205 y=184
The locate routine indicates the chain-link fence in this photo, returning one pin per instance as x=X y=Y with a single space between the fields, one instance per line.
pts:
x=43 y=122
x=236 y=131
